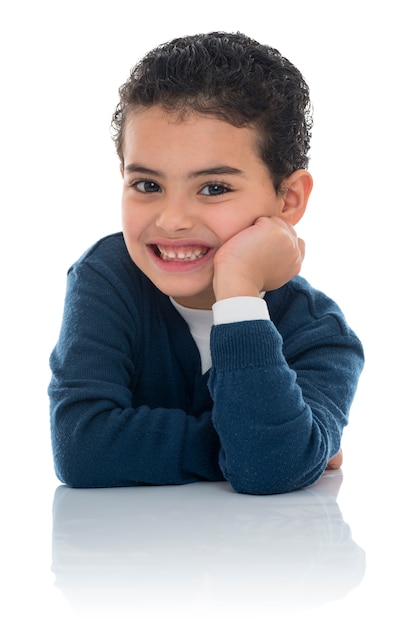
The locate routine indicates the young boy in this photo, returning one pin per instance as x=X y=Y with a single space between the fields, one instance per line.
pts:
x=190 y=348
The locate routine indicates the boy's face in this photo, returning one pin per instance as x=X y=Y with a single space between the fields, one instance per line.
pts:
x=189 y=186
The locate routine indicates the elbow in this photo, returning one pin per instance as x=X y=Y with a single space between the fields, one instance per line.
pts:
x=77 y=468
x=81 y=477
x=70 y=469
x=269 y=486
x=73 y=475
x=282 y=478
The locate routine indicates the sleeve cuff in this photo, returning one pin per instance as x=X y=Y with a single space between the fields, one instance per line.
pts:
x=239 y=309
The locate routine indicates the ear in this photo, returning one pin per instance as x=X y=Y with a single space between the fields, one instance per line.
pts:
x=295 y=195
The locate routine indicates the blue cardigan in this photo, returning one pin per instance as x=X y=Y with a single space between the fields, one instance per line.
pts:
x=130 y=406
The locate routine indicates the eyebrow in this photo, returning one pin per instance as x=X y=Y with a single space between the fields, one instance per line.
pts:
x=210 y=171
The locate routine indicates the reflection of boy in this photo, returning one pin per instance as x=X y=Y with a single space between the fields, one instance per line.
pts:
x=170 y=367
x=295 y=551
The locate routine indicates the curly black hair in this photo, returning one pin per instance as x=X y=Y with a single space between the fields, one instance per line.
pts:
x=231 y=77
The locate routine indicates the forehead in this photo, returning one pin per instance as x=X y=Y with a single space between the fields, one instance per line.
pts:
x=155 y=130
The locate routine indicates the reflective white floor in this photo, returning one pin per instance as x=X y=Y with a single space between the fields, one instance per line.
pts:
x=203 y=554
x=201 y=546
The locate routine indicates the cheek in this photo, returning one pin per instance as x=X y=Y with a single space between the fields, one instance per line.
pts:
x=242 y=216
x=127 y=226
x=132 y=219
x=227 y=227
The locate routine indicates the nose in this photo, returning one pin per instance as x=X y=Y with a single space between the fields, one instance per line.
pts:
x=175 y=214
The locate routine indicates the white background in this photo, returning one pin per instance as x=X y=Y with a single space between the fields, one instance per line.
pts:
x=61 y=66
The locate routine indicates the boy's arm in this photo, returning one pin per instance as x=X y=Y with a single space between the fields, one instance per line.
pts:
x=240 y=309
x=100 y=437
x=279 y=419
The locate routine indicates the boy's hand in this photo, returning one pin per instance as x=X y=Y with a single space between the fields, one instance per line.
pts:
x=336 y=461
x=261 y=257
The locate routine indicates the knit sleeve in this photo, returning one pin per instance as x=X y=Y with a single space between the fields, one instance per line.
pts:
x=101 y=437
x=280 y=416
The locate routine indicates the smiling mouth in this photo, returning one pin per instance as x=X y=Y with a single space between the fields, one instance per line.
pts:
x=183 y=254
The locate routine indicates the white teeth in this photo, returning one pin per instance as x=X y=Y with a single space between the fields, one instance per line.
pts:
x=181 y=255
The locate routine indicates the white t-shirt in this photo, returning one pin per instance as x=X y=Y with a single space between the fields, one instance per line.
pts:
x=239 y=309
